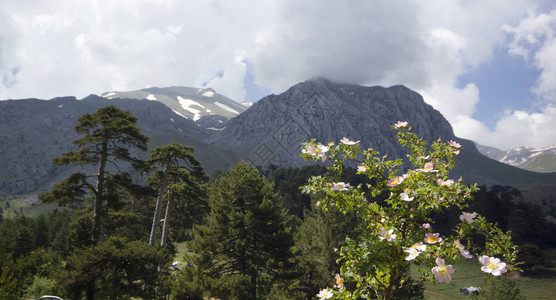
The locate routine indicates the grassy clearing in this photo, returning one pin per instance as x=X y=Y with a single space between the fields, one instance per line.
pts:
x=26 y=205
x=540 y=285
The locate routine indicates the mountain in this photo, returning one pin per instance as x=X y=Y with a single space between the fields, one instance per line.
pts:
x=33 y=131
x=203 y=106
x=271 y=131
x=528 y=158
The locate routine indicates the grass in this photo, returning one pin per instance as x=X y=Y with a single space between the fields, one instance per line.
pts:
x=539 y=285
x=25 y=205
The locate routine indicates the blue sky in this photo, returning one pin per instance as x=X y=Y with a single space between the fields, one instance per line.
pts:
x=489 y=67
x=505 y=83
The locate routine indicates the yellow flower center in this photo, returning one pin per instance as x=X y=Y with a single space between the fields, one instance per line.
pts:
x=442 y=269
x=492 y=266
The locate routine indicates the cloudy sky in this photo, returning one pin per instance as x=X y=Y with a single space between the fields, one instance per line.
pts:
x=489 y=66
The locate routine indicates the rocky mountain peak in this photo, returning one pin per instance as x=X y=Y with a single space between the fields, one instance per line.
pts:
x=321 y=109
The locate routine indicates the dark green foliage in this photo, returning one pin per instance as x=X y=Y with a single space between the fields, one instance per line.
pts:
x=108 y=135
x=409 y=288
x=115 y=269
x=42 y=286
x=8 y=282
x=243 y=250
x=315 y=255
x=528 y=226
x=316 y=241
x=498 y=288
x=179 y=179
x=531 y=256
x=287 y=182
x=188 y=285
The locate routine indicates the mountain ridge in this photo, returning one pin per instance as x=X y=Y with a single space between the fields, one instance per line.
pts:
x=270 y=132
x=529 y=158
x=202 y=105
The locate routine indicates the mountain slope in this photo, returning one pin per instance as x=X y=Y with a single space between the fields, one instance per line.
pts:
x=272 y=130
x=204 y=106
x=528 y=158
x=327 y=111
x=33 y=131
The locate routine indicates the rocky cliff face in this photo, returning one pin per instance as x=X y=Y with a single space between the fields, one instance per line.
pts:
x=272 y=130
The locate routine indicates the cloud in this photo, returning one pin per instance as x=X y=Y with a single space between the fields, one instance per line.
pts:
x=66 y=47
x=515 y=129
x=533 y=39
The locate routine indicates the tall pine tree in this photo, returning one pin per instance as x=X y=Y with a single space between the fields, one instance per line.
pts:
x=181 y=177
x=244 y=249
x=108 y=135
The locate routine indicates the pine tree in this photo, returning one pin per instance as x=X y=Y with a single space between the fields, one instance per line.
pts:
x=181 y=176
x=243 y=250
x=108 y=135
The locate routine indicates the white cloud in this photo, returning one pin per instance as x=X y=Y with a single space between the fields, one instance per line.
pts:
x=516 y=129
x=534 y=39
x=65 y=47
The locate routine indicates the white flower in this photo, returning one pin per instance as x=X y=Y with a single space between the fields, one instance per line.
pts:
x=387 y=235
x=395 y=181
x=492 y=265
x=339 y=186
x=318 y=151
x=462 y=250
x=433 y=238
x=346 y=141
x=414 y=251
x=339 y=282
x=448 y=182
x=405 y=197
x=456 y=146
x=400 y=124
x=429 y=167
x=325 y=294
x=442 y=271
x=468 y=217
x=361 y=168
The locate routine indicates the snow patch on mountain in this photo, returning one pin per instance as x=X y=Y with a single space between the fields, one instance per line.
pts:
x=226 y=108
x=178 y=113
x=523 y=157
x=208 y=94
x=108 y=95
x=187 y=103
x=151 y=97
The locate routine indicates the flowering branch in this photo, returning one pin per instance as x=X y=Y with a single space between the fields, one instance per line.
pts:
x=399 y=228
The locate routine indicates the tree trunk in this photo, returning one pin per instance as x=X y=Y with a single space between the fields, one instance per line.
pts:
x=156 y=217
x=98 y=224
x=166 y=224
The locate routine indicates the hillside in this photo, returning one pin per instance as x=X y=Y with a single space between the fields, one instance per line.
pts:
x=33 y=131
x=528 y=158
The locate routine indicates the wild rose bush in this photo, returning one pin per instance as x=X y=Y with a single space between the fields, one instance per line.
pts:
x=400 y=229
